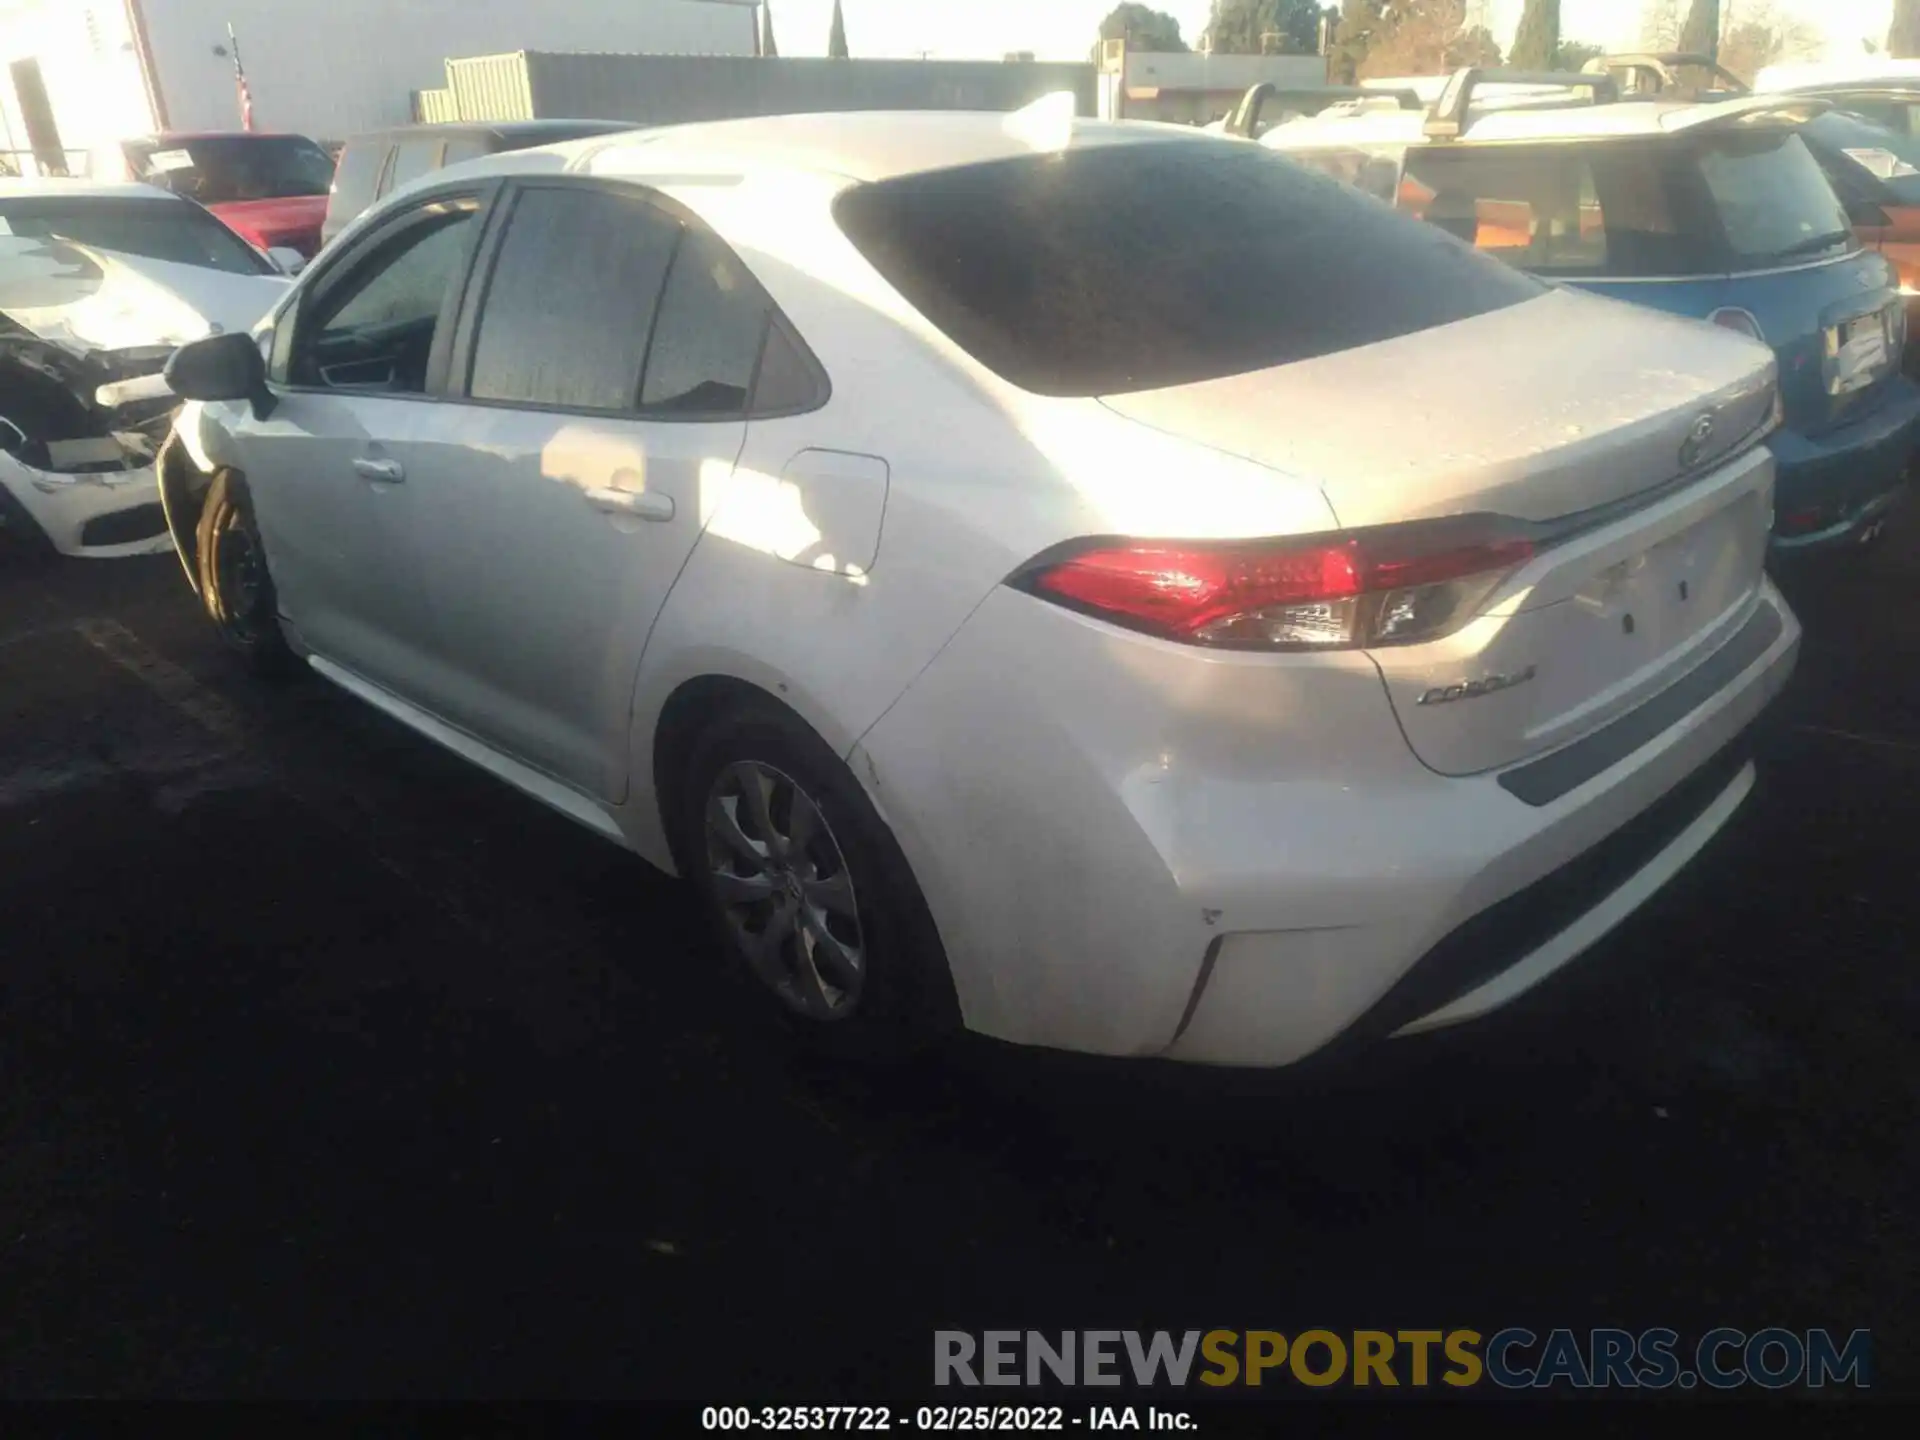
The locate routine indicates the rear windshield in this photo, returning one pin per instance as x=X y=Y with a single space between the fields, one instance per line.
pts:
x=158 y=229
x=1774 y=201
x=1716 y=204
x=220 y=169
x=1139 y=266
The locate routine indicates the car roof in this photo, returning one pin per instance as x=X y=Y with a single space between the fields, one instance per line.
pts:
x=867 y=145
x=1868 y=70
x=1514 y=112
x=177 y=137
x=501 y=129
x=36 y=189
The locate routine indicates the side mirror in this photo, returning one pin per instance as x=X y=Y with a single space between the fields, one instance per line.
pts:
x=287 y=259
x=220 y=367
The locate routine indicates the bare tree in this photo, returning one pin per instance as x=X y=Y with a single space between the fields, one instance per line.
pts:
x=1762 y=34
x=1660 y=26
x=1903 y=36
x=1427 y=37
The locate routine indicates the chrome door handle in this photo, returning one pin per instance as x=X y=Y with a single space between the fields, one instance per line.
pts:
x=387 y=472
x=644 y=504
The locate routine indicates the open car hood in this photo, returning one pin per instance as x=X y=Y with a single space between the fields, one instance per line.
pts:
x=86 y=300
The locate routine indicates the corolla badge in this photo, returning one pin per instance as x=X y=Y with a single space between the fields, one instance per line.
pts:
x=1470 y=689
x=1695 y=445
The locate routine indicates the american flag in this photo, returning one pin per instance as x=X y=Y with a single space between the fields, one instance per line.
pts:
x=240 y=81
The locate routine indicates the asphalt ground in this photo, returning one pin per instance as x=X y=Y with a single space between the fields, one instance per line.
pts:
x=332 y=1068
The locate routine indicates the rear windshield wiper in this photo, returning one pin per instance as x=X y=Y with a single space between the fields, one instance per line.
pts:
x=1812 y=245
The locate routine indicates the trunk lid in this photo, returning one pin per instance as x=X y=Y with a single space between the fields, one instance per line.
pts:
x=1535 y=411
x=1591 y=628
x=1646 y=571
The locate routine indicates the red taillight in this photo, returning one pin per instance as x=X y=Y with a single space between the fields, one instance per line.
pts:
x=1802 y=522
x=1392 y=586
x=1179 y=591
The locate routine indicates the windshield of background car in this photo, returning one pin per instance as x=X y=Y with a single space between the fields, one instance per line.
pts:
x=1135 y=267
x=1631 y=209
x=158 y=229
x=225 y=168
x=1890 y=161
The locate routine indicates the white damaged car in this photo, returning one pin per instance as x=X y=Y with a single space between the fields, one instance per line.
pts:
x=98 y=285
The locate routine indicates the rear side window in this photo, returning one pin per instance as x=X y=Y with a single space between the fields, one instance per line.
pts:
x=707 y=339
x=1589 y=211
x=1901 y=118
x=569 y=309
x=466 y=148
x=1139 y=266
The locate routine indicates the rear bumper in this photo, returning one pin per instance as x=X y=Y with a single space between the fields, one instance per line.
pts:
x=91 y=516
x=1830 y=488
x=1133 y=850
x=1615 y=840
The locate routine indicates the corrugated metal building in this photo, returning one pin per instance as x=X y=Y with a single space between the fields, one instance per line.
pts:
x=76 y=75
x=1193 y=89
x=662 y=89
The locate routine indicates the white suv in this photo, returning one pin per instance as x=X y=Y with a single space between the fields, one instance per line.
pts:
x=1100 y=584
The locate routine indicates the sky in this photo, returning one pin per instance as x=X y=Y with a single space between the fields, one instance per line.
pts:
x=1065 y=29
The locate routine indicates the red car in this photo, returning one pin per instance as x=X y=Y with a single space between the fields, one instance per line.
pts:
x=270 y=189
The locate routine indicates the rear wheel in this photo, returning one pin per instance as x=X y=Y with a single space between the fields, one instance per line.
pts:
x=807 y=891
x=235 y=587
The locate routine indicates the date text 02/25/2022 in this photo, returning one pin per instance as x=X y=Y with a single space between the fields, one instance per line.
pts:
x=943 y=1418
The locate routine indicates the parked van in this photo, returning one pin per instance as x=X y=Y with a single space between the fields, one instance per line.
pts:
x=374 y=164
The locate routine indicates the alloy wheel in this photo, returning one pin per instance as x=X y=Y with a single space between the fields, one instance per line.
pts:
x=785 y=893
x=238 y=562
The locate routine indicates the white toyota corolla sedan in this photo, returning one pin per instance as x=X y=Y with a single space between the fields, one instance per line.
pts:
x=1096 y=584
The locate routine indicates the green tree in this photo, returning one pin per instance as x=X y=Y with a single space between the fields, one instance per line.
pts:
x=1573 y=54
x=1538 y=38
x=1143 y=28
x=1239 y=27
x=837 y=36
x=1701 y=34
x=1361 y=27
x=1903 y=36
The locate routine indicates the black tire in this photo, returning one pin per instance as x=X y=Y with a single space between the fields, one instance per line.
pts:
x=235 y=587
x=905 y=1001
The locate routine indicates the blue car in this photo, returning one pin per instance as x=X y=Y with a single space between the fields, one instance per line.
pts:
x=1710 y=208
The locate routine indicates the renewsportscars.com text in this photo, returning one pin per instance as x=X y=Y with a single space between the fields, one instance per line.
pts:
x=1513 y=1358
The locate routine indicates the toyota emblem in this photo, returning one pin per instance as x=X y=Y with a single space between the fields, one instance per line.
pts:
x=1695 y=445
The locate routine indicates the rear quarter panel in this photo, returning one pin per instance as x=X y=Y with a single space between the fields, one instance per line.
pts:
x=979 y=478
